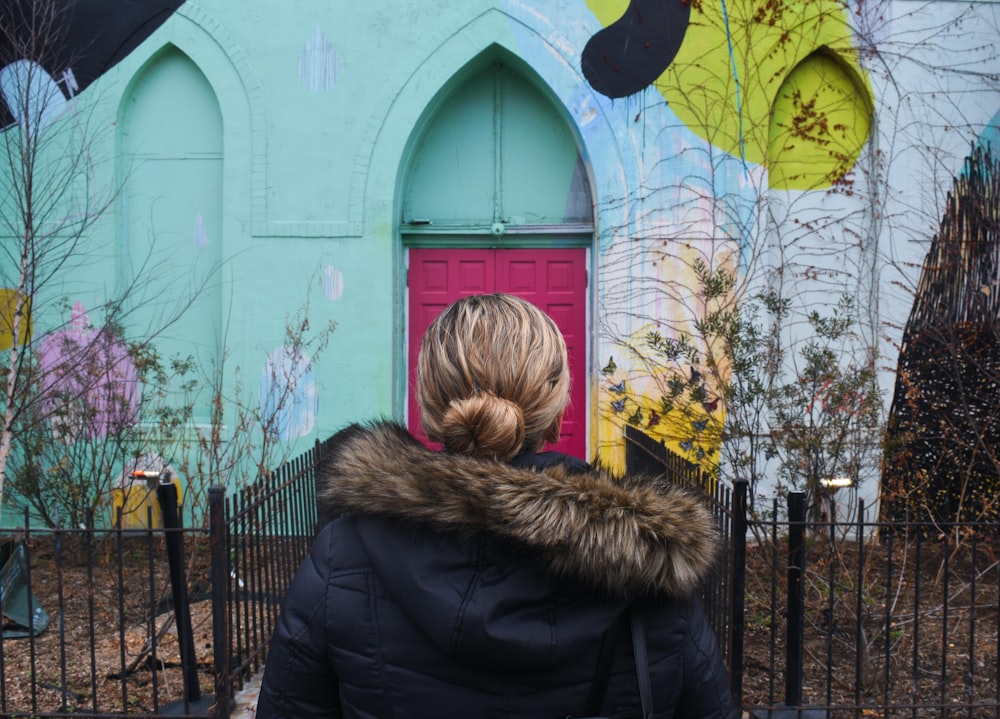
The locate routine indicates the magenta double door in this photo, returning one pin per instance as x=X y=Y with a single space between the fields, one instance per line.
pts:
x=553 y=279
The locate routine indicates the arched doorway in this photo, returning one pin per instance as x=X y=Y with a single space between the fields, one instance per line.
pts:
x=496 y=199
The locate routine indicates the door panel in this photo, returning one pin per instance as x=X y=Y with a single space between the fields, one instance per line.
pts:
x=552 y=279
x=538 y=159
x=555 y=280
x=436 y=278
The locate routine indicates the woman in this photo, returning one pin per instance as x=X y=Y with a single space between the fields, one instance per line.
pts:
x=491 y=579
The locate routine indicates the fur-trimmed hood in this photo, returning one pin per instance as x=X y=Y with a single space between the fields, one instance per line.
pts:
x=628 y=537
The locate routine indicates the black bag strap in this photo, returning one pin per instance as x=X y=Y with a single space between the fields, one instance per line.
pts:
x=641 y=663
x=605 y=659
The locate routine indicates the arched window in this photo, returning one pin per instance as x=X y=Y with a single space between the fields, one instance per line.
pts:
x=497 y=157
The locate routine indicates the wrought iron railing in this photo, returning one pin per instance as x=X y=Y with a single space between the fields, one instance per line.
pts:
x=857 y=618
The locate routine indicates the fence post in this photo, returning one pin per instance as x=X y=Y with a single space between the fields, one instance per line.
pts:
x=796 y=599
x=795 y=627
x=166 y=494
x=220 y=599
x=737 y=588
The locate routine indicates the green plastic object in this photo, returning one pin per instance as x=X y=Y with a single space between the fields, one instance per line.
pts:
x=23 y=615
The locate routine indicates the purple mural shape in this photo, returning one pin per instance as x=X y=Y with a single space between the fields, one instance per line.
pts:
x=629 y=54
x=90 y=387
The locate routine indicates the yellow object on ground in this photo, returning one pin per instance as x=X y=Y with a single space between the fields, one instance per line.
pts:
x=139 y=506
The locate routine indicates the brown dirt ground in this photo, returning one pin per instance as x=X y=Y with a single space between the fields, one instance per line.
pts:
x=901 y=632
x=102 y=632
x=935 y=651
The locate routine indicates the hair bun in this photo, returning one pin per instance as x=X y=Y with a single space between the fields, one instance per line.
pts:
x=484 y=425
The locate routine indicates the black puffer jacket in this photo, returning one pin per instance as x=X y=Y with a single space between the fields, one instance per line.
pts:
x=447 y=586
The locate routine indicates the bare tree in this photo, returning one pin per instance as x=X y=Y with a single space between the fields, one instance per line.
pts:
x=71 y=380
x=48 y=199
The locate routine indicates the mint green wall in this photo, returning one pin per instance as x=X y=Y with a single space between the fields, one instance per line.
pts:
x=321 y=105
x=288 y=219
x=319 y=110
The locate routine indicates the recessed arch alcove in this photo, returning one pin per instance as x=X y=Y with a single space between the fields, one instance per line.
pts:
x=496 y=196
x=170 y=140
x=821 y=118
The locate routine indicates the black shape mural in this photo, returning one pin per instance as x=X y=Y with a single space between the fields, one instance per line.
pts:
x=82 y=40
x=628 y=55
x=942 y=460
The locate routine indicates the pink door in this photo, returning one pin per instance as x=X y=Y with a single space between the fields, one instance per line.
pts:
x=553 y=279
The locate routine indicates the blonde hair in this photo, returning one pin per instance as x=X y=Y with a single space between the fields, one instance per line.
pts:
x=492 y=377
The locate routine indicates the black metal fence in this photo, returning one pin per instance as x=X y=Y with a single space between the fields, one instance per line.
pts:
x=270 y=526
x=723 y=595
x=104 y=622
x=849 y=618
x=839 y=619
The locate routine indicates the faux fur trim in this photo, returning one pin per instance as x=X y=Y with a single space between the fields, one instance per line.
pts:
x=626 y=537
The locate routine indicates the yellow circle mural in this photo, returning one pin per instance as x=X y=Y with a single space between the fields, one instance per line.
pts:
x=774 y=82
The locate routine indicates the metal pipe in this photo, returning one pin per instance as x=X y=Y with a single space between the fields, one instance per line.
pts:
x=737 y=588
x=166 y=493
x=220 y=599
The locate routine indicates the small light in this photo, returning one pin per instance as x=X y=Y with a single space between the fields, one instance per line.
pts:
x=836 y=482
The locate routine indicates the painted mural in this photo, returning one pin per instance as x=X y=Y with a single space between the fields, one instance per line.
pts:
x=708 y=140
x=37 y=88
x=288 y=394
x=760 y=98
x=318 y=62
x=89 y=39
x=84 y=40
x=777 y=83
x=653 y=31
x=944 y=423
x=8 y=326
x=89 y=383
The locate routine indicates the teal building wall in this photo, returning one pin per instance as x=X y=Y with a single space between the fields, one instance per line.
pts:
x=257 y=154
